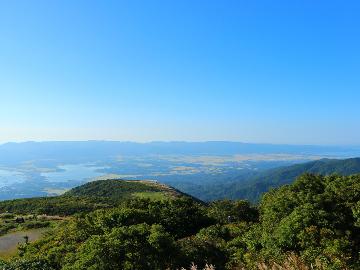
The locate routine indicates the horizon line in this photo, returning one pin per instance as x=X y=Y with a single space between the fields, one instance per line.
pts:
x=179 y=141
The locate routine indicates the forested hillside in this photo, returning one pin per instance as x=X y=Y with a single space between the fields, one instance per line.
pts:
x=254 y=186
x=314 y=221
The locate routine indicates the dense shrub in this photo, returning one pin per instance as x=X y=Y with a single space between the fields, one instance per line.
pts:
x=315 y=221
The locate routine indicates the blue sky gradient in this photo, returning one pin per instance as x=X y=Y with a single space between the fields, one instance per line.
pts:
x=252 y=71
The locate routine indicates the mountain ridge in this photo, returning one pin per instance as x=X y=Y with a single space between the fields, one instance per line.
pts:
x=253 y=187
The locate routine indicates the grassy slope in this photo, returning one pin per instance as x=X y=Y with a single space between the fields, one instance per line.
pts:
x=90 y=196
x=116 y=189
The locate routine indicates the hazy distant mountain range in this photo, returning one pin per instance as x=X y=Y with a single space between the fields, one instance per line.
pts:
x=93 y=150
x=208 y=170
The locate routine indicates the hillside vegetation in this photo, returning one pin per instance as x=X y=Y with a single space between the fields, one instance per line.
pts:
x=254 y=186
x=313 y=223
x=89 y=197
x=121 y=189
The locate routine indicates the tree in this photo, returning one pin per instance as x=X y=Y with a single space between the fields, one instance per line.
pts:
x=133 y=247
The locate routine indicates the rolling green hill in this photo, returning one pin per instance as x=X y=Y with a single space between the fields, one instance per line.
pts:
x=253 y=187
x=314 y=221
x=91 y=196
x=120 y=189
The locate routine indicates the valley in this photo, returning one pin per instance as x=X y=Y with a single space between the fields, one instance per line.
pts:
x=51 y=168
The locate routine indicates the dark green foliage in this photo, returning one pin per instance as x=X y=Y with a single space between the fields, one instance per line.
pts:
x=313 y=217
x=317 y=218
x=33 y=264
x=35 y=225
x=60 y=205
x=227 y=211
x=201 y=251
x=180 y=217
x=123 y=237
x=138 y=246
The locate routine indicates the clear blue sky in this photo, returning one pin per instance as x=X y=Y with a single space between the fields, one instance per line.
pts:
x=253 y=71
